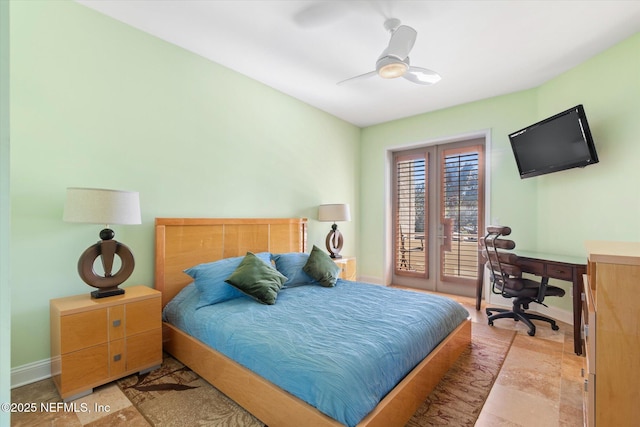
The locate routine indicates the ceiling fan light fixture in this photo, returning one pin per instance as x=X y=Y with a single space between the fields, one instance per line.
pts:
x=393 y=70
x=394 y=60
x=391 y=67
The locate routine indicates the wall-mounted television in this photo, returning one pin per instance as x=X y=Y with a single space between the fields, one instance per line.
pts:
x=560 y=142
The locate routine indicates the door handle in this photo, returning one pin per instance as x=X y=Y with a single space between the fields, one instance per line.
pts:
x=447 y=225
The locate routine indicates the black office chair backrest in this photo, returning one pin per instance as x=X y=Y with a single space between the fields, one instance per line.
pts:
x=503 y=266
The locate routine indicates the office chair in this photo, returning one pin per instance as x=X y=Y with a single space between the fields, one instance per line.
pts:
x=404 y=250
x=507 y=280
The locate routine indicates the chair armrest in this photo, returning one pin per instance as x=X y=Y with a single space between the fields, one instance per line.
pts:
x=542 y=290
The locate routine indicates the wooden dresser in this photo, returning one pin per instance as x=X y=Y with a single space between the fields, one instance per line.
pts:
x=611 y=316
x=95 y=341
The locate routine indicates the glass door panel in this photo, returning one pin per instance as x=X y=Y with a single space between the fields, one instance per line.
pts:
x=460 y=208
x=411 y=172
x=438 y=200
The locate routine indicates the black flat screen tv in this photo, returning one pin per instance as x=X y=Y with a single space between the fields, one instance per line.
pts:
x=560 y=142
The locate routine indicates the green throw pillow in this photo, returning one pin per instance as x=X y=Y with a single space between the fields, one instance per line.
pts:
x=257 y=279
x=321 y=267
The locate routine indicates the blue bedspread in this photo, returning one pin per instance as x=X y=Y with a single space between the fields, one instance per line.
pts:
x=340 y=349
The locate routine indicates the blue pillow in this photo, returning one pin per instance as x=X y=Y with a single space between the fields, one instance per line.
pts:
x=210 y=279
x=290 y=265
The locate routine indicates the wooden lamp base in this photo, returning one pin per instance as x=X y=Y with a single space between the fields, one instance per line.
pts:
x=334 y=242
x=106 y=249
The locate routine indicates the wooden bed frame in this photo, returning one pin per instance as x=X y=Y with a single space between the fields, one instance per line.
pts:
x=184 y=242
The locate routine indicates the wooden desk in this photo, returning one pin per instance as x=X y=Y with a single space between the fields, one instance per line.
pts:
x=559 y=267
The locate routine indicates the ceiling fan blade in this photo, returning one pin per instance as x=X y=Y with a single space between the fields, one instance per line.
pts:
x=422 y=76
x=401 y=43
x=361 y=76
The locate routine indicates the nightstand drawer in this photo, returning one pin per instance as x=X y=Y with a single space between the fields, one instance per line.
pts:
x=116 y=322
x=144 y=349
x=117 y=358
x=82 y=367
x=347 y=268
x=83 y=330
x=138 y=318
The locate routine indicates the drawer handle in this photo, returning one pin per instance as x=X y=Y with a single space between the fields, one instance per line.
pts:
x=582 y=372
x=586 y=386
x=116 y=323
x=117 y=357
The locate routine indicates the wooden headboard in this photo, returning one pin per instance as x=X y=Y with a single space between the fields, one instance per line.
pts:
x=184 y=242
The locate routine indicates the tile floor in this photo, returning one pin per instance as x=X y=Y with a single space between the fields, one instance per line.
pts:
x=538 y=385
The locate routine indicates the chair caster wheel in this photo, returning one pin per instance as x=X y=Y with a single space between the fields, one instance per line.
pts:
x=531 y=333
x=490 y=322
x=555 y=327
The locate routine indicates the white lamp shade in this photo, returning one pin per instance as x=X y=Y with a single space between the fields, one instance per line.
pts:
x=101 y=206
x=333 y=213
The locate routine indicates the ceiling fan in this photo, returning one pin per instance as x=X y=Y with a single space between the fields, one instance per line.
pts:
x=394 y=60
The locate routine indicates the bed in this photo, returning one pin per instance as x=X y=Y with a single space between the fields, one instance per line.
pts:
x=182 y=243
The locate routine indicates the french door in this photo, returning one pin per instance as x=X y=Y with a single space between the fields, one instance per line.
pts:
x=438 y=211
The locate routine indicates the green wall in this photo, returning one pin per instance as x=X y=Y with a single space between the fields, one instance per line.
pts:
x=97 y=103
x=555 y=213
x=601 y=202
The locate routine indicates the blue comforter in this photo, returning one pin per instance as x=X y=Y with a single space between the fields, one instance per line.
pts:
x=340 y=349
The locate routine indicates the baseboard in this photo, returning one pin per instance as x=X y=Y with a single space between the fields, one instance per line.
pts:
x=557 y=314
x=30 y=373
x=370 y=279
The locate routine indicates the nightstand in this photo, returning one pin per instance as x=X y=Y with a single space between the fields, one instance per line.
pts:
x=347 y=266
x=96 y=341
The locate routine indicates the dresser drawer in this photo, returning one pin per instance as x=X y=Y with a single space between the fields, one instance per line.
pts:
x=590 y=328
x=589 y=401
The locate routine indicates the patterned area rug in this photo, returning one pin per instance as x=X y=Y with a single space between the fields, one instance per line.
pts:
x=174 y=392
x=458 y=399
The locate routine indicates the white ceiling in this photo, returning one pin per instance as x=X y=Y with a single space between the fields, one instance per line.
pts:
x=303 y=48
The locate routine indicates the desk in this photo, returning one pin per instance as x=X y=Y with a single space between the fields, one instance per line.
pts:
x=559 y=267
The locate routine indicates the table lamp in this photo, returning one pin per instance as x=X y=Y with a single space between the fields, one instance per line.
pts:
x=101 y=206
x=334 y=213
